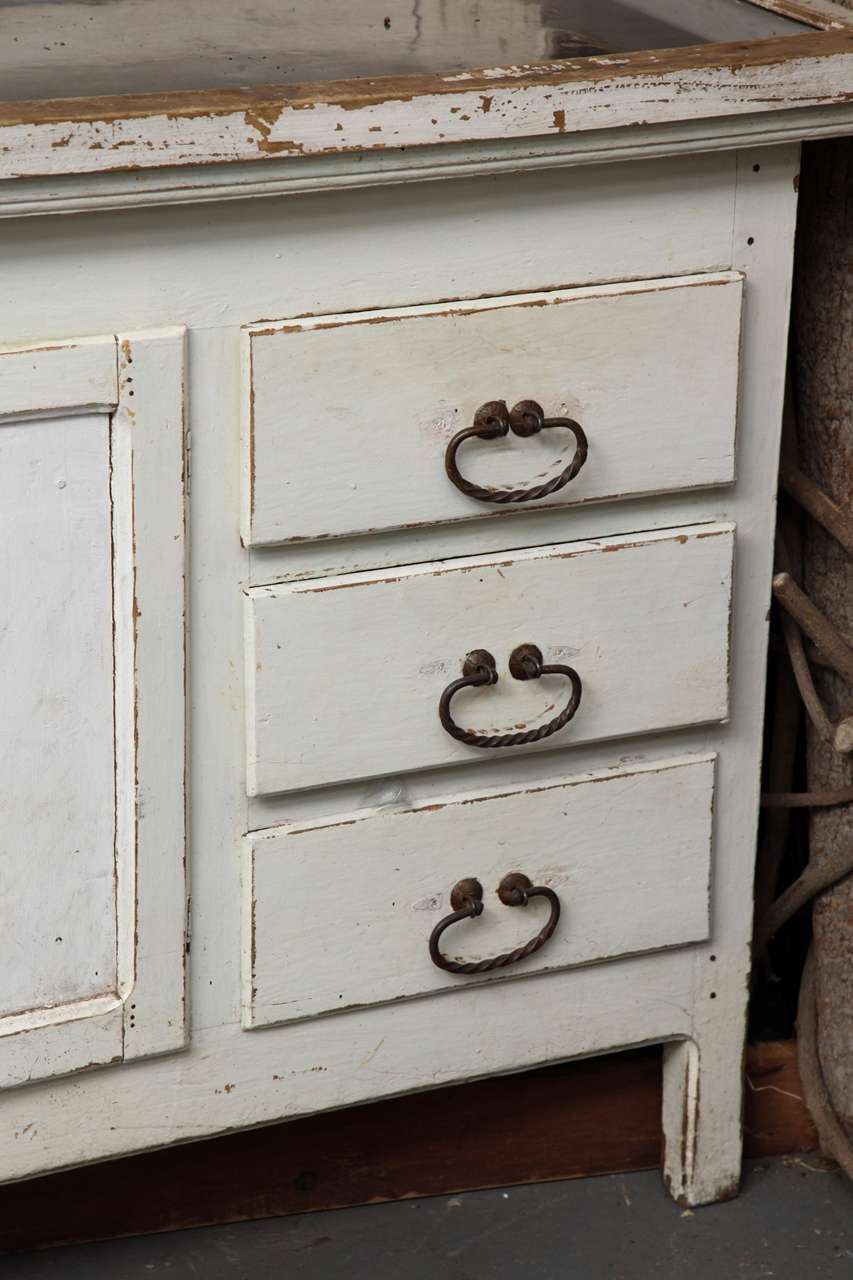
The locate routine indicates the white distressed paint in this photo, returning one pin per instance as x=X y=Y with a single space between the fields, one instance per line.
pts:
x=347 y=417
x=149 y=435
x=507 y=103
x=195 y=184
x=58 y=377
x=581 y=226
x=56 y=749
x=612 y=847
x=92 y=874
x=344 y=676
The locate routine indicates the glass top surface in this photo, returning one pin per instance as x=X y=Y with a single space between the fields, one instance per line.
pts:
x=86 y=48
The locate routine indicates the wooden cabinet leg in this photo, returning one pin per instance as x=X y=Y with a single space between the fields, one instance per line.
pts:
x=702 y=1100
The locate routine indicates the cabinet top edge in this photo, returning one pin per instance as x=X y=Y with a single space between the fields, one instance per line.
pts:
x=812 y=44
x=502 y=106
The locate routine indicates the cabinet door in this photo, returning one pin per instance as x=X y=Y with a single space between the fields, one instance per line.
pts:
x=92 y=882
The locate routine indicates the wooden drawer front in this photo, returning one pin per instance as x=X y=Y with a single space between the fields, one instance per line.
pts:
x=339 y=914
x=348 y=416
x=345 y=674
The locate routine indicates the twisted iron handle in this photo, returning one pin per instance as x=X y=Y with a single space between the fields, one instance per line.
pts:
x=525 y=663
x=515 y=890
x=527 y=418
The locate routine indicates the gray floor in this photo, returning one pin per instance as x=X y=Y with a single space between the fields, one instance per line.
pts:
x=792 y=1221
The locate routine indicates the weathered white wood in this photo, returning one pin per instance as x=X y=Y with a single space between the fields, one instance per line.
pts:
x=92 y=875
x=198 y=184
x=44 y=1043
x=703 y=1077
x=577 y=236
x=409 y=246
x=150 y=571
x=612 y=846
x=523 y=101
x=236 y=1079
x=344 y=677
x=56 y=747
x=347 y=417
x=59 y=377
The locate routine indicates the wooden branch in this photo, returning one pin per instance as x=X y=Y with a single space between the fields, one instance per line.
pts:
x=815 y=624
x=779 y=775
x=802 y=674
x=794 y=641
x=818 y=504
x=833 y=1140
x=806 y=799
x=813 y=654
x=817 y=877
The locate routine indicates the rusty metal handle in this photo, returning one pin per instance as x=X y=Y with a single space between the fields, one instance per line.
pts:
x=466 y=897
x=527 y=418
x=525 y=663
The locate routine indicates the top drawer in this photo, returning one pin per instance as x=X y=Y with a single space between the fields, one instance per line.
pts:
x=348 y=417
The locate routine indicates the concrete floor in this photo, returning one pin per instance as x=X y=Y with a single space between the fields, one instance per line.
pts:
x=792 y=1221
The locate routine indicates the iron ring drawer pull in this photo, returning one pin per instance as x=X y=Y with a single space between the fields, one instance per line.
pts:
x=466 y=898
x=525 y=663
x=527 y=418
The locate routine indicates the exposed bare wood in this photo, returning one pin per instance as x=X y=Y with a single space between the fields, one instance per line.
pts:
x=803 y=676
x=818 y=876
x=131 y=132
x=815 y=624
x=833 y=1139
x=818 y=504
x=216 y=44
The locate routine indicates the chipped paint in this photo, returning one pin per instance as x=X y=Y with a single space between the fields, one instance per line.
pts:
x=139 y=131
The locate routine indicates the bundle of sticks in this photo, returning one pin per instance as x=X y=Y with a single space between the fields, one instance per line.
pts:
x=810 y=640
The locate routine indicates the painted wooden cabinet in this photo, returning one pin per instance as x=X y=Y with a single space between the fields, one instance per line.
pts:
x=92 y=877
x=387 y=475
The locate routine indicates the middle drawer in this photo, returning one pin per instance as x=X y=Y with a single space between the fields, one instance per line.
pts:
x=346 y=676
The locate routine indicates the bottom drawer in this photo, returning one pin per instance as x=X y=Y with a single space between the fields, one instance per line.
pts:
x=338 y=914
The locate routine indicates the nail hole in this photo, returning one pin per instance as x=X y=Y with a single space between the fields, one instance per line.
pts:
x=713 y=958
x=750 y=240
x=756 y=168
x=713 y=995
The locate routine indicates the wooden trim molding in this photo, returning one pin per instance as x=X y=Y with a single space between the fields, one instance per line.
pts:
x=689 y=86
